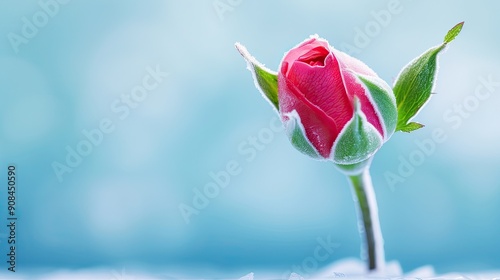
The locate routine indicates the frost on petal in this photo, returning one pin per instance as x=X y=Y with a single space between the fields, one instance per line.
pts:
x=320 y=130
x=323 y=86
x=303 y=48
x=357 y=90
x=315 y=57
x=353 y=64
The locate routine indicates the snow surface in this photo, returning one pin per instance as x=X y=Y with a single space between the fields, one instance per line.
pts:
x=346 y=269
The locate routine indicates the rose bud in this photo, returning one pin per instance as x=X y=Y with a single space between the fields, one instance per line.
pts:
x=336 y=108
x=332 y=105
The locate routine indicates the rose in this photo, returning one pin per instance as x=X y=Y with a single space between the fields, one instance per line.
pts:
x=332 y=105
x=336 y=108
x=335 y=101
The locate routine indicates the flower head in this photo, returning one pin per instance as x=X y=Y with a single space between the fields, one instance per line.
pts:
x=332 y=105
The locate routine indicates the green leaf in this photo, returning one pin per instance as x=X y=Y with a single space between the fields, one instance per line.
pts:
x=412 y=127
x=453 y=32
x=265 y=80
x=414 y=84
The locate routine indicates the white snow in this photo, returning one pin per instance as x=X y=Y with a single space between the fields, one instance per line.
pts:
x=346 y=269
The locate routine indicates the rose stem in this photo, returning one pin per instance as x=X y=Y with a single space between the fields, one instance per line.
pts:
x=368 y=222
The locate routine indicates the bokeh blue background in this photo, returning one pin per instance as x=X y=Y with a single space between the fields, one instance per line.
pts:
x=120 y=206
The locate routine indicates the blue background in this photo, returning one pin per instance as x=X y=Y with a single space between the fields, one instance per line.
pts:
x=120 y=205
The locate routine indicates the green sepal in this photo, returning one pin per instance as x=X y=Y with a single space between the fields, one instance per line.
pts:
x=414 y=84
x=296 y=134
x=384 y=102
x=358 y=141
x=265 y=80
